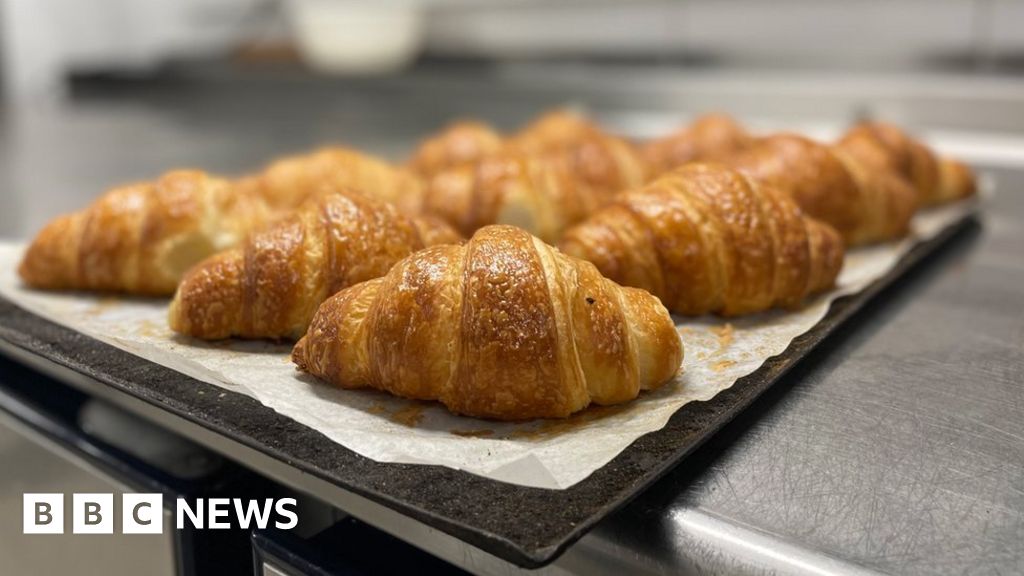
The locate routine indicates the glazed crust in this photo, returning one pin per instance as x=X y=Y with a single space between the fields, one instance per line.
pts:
x=461 y=143
x=289 y=181
x=543 y=194
x=550 y=175
x=863 y=204
x=271 y=286
x=141 y=238
x=705 y=238
x=884 y=147
x=710 y=138
x=601 y=162
x=554 y=130
x=956 y=181
x=504 y=327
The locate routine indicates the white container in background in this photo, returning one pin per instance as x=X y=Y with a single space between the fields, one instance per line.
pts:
x=357 y=37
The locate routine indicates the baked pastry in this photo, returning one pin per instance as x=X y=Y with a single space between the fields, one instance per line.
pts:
x=956 y=181
x=271 y=286
x=549 y=176
x=712 y=137
x=602 y=161
x=555 y=130
x=705 y=238
x=886 y=147
x=141 y=238
x=863 y=204
x=504 y=327
x=288 y=182
x=463 y=142
x=468 y=141
x=542 y=194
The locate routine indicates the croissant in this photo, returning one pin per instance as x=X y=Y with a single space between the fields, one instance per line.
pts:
x=705 y=238
x=141 y=238
x=271 y=286
x=712 y=137
x=862 y=204
x=554 y=130
x=601 y=161
x=544 y=195
x=288 y=182
x=885 y=147
x=504 y=327
x=956 y=181
x=463 y=142
x=468 y=141
x=550 y=176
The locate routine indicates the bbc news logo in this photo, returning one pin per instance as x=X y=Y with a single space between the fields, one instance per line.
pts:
x=143 y=513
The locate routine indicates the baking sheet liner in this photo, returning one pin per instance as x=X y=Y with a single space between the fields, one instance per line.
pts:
x=551 y=454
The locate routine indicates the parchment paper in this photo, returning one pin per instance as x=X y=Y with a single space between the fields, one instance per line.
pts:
x=546 y=454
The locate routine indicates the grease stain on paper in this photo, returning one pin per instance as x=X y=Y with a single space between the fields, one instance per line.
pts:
x=481 y=433
x=409 y=416
x=724 y=334
x=722 y=365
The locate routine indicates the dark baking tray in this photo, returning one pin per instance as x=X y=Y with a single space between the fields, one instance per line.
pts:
x=526 y=526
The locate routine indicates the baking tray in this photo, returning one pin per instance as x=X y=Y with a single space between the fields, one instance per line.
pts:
x=526 y=526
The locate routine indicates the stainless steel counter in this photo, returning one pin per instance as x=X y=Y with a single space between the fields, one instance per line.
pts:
x=897 y=447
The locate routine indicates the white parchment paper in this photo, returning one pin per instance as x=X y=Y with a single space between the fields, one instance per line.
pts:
x=546 y=454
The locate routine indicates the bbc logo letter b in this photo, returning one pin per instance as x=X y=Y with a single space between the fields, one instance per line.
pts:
x=93 y=514
x=43 y=514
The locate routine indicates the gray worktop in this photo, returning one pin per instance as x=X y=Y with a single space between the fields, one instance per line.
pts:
x=897 y=447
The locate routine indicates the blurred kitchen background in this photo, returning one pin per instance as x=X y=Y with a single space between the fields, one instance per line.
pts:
x=105 y=91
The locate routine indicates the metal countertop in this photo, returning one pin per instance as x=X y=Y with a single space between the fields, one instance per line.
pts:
x=896 y=447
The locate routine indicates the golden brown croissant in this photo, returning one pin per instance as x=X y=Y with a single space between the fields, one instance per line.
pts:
x=271 y=286
x=956 y=181
x=504 y=327
x=468 y=141
x=463 y=142
x=549 y=176
x=288 y=182
x=883 y=146
x=603 y=162
x=712 y=137
x=705 y=238
x=543 y=195
x=141 y=238
x=863 y=204
x=555 y=130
